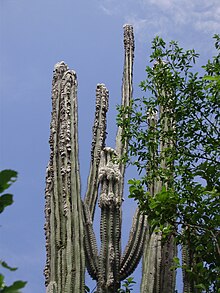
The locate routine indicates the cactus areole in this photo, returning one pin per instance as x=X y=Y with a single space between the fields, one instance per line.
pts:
x=70 y=239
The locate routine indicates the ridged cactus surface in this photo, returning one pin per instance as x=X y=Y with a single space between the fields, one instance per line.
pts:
x=65 y=267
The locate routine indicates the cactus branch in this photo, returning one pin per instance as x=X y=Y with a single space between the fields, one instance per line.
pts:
x=158 y=256
x=98 y=143
x=151 y=265
x=134 y=249
x=187 y=287
x=110 y=204
x=187 y=263
x=127 y=89
x=91 y=250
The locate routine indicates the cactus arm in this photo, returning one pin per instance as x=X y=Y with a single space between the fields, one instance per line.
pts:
x=64 y=226
x=152 y=251
x=91 y=250
x=169 y=249
x=187 y=287
x=187 y=263
x=103 y=250
x=151 y=265
x=127 y=90
x=110 y=230
x=134 y=249
x=158 y=256
x=168 y=277
x=98 y=143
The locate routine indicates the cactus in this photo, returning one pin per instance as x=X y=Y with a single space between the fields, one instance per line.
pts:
x=64 y=271
x=158 y=255
x=70 y=238
x=188 y=261
x=108 y=267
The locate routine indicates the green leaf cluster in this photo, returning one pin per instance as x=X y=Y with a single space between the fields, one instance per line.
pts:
x=7 y=177
x=127 y=285
x=173 y=139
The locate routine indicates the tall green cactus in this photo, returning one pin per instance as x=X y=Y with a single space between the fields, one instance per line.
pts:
x=70 y=238
x=65 y=267
x=158 y=255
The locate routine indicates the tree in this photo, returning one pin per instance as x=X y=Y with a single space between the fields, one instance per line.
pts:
x=7 y=177
x=173 y=136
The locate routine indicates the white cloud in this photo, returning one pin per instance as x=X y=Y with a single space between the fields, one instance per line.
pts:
x=161 y=3
x=113 y=7
x=109 y=7
x=167 y=16
x=200 y=15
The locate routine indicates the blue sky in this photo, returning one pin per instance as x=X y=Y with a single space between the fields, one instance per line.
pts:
x=87 y=34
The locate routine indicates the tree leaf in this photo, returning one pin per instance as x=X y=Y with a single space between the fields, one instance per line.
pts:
x=5 y=200
x=6 y=266
x=7 y=177
x=14 y=287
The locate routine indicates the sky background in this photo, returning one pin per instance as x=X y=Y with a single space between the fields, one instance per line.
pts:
x=88 y=36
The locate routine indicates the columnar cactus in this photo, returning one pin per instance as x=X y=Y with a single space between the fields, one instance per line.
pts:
x=188 y=261
x=158 y=255
x=65 y=267
x=70 y=238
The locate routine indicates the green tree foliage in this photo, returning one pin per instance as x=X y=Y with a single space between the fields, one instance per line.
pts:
x=127 y=286
x=188 y=204
x=7 y=177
